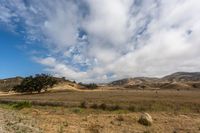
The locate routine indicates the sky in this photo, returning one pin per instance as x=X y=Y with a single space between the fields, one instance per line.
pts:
x=99 y=40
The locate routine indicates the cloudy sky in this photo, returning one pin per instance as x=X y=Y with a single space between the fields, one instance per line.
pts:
x=99 y=40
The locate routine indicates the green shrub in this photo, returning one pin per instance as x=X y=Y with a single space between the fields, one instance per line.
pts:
x=21 y=105
x=77 y=110
x=91 y=86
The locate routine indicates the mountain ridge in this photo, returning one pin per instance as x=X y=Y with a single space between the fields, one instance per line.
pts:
x=178 y=80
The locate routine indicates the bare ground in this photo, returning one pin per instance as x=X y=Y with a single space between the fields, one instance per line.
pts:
x=172 y=112
x=75 y=120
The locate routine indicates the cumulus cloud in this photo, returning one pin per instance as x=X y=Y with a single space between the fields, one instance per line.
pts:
x=98 y=41
x=60 y=69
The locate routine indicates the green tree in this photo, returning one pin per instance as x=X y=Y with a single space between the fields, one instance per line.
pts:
x=36 y=83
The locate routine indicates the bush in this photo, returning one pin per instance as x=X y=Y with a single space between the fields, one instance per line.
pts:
x=89 y=86
x=77 y=110
x=132 y=108
x=83 y=104
x=115 y=107
x=94 y=106
x=21 y=105
x=103 y=106
x=35 y=83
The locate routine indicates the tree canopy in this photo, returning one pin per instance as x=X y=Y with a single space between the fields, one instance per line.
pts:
x=36 y=83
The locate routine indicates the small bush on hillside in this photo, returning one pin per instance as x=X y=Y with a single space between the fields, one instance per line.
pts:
x=21 y=105
x=94 y=106
x=89 y=86
x=77 y=110
x=103 y=106
x=36 y=83
x=83 y=104
x=115 y=107
x=132 y=108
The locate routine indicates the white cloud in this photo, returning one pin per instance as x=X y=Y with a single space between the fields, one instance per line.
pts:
x=104 y=40
x=61 y=69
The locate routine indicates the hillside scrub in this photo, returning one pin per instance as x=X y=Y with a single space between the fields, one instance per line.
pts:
x=90 y=86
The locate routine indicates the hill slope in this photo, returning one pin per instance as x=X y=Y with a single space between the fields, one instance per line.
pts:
x=7 y=84
x=179 y=80
x=183 y=77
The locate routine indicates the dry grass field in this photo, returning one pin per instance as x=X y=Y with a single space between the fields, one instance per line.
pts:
x=143 y=100
x=112 y=111
x=40 y=119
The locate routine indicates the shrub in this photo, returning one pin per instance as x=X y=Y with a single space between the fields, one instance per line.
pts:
x=94 y=106
x=89 y=86
x=21 y=105
x=83 y=104
x=77 y=110
x=103 y=106
x=132 y=108
x=115 y=107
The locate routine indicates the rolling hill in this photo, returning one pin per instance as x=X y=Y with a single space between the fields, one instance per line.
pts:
x=179 y=80
x=7 y=84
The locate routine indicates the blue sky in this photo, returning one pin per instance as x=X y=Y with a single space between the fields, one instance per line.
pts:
x=14 y=60
x=99 y=40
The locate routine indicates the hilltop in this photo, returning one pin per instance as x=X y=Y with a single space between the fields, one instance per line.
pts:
x=8 y=84
x=179 y=80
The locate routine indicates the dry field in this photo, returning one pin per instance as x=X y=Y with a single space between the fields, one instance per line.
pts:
x=146 y=100
x=172 y=111
x=76 y=120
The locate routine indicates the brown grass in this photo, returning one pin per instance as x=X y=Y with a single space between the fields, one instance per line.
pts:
x=103 y=111
x=165 y=100
x=73 y=120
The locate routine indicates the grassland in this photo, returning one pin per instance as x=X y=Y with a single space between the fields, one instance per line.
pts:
x=113 y=111
x=166 y=100
x=46 y=119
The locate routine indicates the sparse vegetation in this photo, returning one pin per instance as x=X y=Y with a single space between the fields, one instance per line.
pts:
x=94 y=106
x=132 y=108
x=8 y=84
x=83 y=104
x=103 y=106
x=90 y=86
x=48 y=119
x=111 y=110
x=114 y=107
x=21 y=105
x=134 y=101
x=77 y=110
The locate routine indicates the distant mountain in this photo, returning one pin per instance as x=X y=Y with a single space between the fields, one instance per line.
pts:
x=133 y=81
x=183 y=76
x=179 y=80
x=7 y=84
